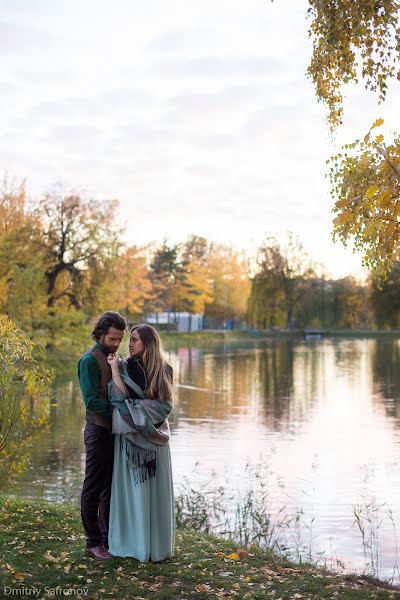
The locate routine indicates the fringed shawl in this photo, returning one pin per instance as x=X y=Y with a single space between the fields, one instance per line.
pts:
x=143 y=423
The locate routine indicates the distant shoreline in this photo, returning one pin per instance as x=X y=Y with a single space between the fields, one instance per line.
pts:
x=226 y=336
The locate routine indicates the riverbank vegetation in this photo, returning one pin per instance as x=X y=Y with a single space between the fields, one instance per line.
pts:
x=25 y=394
x=42 y=548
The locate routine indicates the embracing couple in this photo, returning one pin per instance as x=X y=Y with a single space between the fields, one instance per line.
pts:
x=127 y=502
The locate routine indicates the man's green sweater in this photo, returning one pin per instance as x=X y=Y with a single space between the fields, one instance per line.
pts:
x=89 y=374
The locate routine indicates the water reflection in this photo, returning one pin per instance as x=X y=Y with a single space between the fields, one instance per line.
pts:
x=322 y=414
x=386 y=371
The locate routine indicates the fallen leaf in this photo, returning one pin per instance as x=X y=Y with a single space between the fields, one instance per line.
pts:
x=48 y=555
x=233 y=556
x=203 y=588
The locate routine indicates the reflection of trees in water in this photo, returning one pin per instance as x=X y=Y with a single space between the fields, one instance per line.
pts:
x=275 y=372
x=226 y=376
x=386 y=374
x=56 y=455
x=351 y=354
x=230 y=376
x=291 y=376
x=274 y=382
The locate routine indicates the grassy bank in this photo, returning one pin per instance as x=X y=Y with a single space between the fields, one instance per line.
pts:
x=208 y=336
x=42 y=549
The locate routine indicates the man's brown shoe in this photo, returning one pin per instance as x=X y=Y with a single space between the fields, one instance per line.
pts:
x=99 y=553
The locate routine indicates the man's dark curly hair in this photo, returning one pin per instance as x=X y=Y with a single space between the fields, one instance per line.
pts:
x=105 y=321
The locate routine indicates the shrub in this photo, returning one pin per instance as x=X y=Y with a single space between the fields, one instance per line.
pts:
x=25 y=392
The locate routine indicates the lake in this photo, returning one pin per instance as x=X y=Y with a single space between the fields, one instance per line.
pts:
x=316 y=421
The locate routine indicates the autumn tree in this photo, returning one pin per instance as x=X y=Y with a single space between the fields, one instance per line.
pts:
x=365 y=182
x=131 y=274
x=25 y=391
x=349 y=304
x=312 y=310
x=194 y=279
x=385 y=300
x=230 y=283
x=266 y=301
x=76 y=233
x=22 y=286
x=355 y=41
x=277 y=284
x=96 y=287
x=162 y=275
x=352 y=41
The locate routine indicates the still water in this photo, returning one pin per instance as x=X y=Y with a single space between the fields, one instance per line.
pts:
x=318 y=419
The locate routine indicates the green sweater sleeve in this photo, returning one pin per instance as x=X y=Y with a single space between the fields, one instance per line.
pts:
x=89 y=374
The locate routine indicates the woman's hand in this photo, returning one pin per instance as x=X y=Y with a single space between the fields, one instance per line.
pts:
x=114 y=361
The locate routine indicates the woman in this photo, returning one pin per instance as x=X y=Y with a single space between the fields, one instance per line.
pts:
x=142 y=518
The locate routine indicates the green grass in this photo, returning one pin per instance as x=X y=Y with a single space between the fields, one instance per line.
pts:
x=42 y=547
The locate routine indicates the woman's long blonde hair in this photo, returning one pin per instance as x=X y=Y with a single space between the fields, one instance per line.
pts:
x=158 y=372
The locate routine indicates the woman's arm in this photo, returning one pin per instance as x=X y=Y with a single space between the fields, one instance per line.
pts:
x=114 y=361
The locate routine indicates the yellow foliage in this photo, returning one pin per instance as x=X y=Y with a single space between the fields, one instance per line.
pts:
x=378 y=123
x=371 y=191
x=366 y=188
x=130 y=278
x=346 y=39
x=25 y=386
x=229 y=276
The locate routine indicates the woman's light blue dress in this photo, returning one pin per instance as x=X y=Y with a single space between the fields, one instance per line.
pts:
x=142 y=515
x=142 y=511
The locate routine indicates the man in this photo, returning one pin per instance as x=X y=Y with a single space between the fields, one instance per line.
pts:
x=94 y=373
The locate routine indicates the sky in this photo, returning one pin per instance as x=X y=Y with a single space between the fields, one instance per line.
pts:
x=197 y=116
